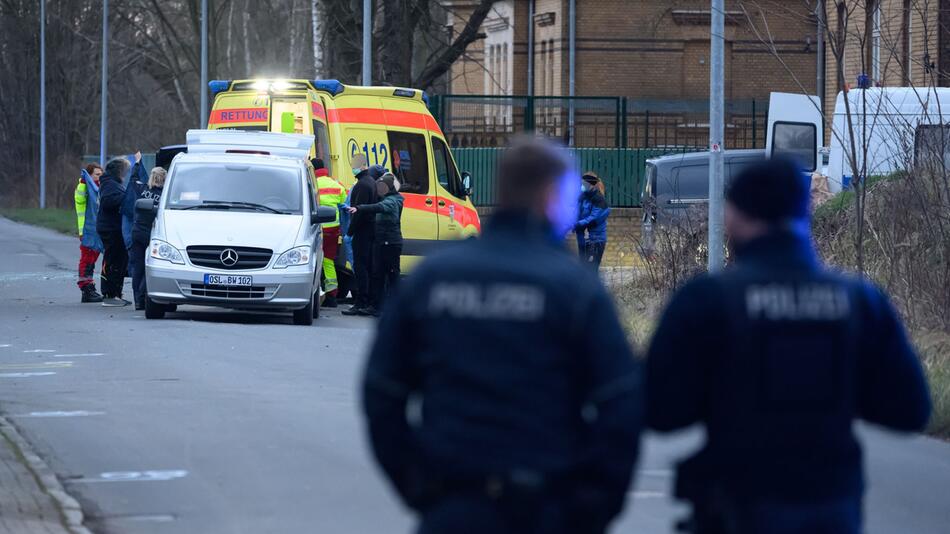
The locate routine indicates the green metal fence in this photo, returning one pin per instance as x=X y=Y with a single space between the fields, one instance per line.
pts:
x=621 y=169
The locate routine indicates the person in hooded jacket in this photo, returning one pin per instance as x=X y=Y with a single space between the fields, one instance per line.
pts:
x=591 y=227
x=141 y=235
x=109 y=227
x=387 y=248
x=86 y=198
x=362 y=229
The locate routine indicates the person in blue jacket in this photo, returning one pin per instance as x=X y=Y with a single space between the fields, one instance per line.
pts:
x=137 y=188
x=776 y=357
x=591 y=227
x=530 y=393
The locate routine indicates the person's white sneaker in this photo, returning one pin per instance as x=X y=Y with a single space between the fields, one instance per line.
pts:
x=113 y=302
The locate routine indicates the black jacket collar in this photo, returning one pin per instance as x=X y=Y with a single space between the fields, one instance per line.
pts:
x=779 y=249
x=513 y=223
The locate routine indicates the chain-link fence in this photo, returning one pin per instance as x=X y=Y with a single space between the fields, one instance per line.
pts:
x=596 y=122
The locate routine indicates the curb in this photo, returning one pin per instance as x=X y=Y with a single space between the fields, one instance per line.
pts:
x=69 y=508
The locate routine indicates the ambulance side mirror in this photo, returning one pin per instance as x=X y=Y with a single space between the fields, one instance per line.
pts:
x=145 y=205
x=467 y=183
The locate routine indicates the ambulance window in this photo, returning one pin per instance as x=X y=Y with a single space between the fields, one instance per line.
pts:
x=445 y=169
x=322 y=143
x=410 y=162
x=248 y=128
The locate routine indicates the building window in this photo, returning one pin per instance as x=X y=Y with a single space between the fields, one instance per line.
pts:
x=876 y=73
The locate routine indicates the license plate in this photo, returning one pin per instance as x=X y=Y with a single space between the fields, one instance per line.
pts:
x=227 y=280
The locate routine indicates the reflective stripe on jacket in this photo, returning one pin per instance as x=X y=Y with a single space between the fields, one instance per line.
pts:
x=331 y=194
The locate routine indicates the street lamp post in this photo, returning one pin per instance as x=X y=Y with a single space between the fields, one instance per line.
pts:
x=42 y=104
x=104 y=111
x=367 y=44
x=204 y=64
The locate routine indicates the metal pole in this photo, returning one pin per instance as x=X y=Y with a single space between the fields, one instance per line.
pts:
x=367 y=43
x=204 y=64
x=530 y=47
x=42 y=104
x=716 y=132
x=572 y=45
x=104 y=111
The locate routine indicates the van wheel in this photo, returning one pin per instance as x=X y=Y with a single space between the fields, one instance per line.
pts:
x=154 y=310
x=304 y=317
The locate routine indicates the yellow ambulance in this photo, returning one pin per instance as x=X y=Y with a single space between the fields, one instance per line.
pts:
x=391 y=126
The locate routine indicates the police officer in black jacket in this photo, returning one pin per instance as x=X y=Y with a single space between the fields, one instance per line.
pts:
x=115 y=259
x=362 y=230
x=523 y=395
x=777 y=356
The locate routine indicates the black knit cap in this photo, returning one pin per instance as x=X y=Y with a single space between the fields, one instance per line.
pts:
x=772 y=191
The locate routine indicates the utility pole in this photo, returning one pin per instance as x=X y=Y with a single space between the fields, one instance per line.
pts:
x=104 y=111
x=716 y=134
x=572 y=61
x=42 y=104
x=367 y=43
x=204 y=64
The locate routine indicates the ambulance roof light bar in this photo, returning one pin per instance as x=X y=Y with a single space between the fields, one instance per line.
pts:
x=296 y=146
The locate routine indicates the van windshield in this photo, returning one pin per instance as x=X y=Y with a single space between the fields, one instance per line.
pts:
x=235 y=187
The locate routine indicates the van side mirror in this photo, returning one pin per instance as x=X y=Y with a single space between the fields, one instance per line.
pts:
x=467 y=183
x=323 y=215
x=146 y=205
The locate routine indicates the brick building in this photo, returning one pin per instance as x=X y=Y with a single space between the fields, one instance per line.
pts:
x=653 y=52
x=894 y=42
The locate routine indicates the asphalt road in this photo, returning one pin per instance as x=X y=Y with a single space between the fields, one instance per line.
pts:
x=219 y=422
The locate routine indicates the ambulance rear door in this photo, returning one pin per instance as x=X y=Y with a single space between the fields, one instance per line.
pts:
x=320 y=130
x=795 y=128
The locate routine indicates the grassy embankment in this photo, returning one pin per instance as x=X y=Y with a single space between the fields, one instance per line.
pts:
x=58 y=219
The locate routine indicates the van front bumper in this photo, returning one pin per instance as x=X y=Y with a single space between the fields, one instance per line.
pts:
x=287 y=289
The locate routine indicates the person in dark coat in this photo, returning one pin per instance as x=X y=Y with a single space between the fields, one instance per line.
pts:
x=591 y=226
x=142 y=234
x=388 y=239
x=362 y=229
x=777 y=357
x=529 y=393
x=109 y=228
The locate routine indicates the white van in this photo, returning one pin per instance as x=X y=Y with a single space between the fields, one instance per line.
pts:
x=238 y=226
x=896 y=124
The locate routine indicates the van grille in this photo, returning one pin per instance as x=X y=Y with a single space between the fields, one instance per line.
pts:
x=248 y=257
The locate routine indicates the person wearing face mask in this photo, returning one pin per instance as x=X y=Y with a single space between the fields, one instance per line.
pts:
x=591 y=226
x=532 y=394
x=362 y=230
x=388 y=244
x=776 y=357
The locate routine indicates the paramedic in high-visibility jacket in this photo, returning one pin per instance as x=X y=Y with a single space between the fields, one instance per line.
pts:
x=86 y=198
x=501 y=394
x=329 y=193
x=776 y=357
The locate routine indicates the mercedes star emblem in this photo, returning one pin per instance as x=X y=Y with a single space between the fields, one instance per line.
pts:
x=229 y=257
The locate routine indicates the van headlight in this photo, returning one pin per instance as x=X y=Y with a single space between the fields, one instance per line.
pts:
x=161 y=250
x=294 y=256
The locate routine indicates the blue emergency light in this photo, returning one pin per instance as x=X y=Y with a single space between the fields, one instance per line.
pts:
x=217 y=86
x=334 y=87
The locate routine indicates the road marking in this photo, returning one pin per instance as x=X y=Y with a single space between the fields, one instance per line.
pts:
x=82 y=355
x=5 y=346
x=44 y=365
x=648 y=494
x=76 y=413
x=25 y=375
x=134 y=476
x=655 y=472
x=36 y=351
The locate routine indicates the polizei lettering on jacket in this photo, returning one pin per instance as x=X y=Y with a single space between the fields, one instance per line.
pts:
x=786 y=302
x=500 y=302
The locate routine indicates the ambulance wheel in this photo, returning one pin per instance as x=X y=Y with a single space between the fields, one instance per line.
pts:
x=154 y=310
x=304 y=316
